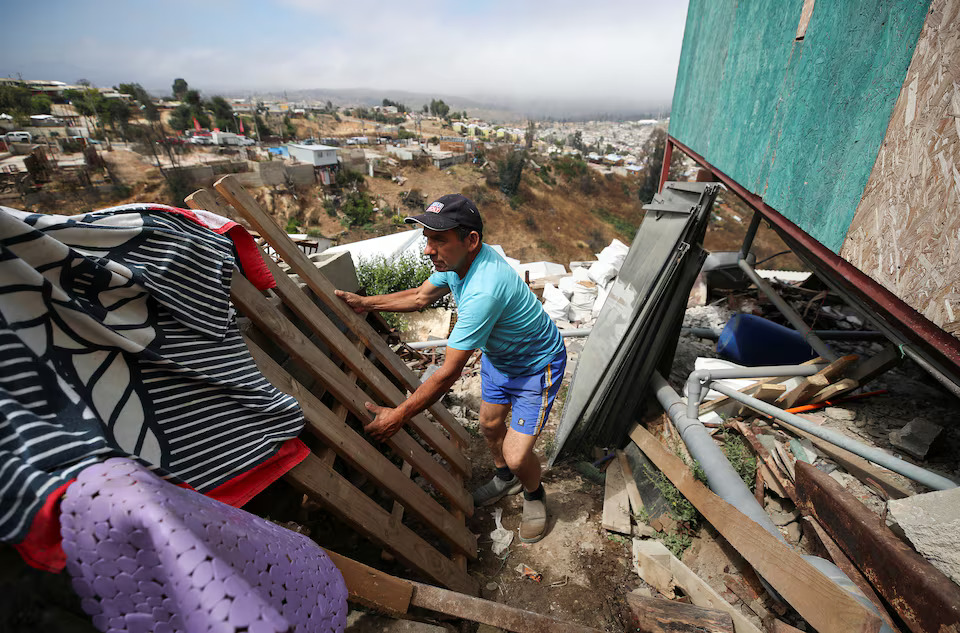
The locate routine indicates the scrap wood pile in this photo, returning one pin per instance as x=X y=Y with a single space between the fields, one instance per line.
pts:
x=905 y=590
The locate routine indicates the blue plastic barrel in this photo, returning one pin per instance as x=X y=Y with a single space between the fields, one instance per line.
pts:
x=754 y=341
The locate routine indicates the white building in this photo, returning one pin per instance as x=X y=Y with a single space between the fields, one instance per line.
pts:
x=316 y=155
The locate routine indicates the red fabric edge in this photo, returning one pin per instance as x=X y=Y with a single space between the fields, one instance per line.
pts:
x=42 y=548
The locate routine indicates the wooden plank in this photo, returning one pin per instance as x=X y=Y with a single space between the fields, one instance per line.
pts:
x=396 y=514
x=490 y=613
x=633 y=492
x=767 y=393
x=695 y=587
x=749 y=597
x=868 y=369
x=372 y=588
x=656 y=615
x=292 y=340
x=805 y=588
x=653 y=568
x=772 y=472
x=815 y=533
x=244 y=203
x=812 y=385
x=326 y=486
x=311 y=314
x=357 y=452
x=835 y=390
x=922 y=596
x=616 y=503
x=855 y=465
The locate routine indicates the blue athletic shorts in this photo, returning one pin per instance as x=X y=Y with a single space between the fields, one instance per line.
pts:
x=531 y=397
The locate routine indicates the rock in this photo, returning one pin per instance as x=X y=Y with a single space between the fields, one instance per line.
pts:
x=643 y=592
x=915 y=438
x=784 y=518
x=836 y=413
x=931 y=522
x=793 y=533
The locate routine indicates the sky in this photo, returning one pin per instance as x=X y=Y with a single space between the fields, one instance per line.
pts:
x=585 y=51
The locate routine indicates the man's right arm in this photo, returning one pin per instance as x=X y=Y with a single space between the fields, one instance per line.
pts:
x=404 y=301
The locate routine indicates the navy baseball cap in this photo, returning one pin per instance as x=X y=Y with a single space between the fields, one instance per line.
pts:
x=448 y=212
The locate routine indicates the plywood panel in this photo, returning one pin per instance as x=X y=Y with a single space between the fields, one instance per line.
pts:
x=906 y=230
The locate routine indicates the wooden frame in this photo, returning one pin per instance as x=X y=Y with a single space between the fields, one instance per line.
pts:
x=332 y=369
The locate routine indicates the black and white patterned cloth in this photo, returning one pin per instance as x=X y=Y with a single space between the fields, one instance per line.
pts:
x=117 y=338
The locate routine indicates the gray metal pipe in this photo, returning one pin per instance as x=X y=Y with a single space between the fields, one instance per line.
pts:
x=751 y=233
x=875 y=455
x=827 y=335
x=822 y=349
x=938 y=375
x=726 y=483
x=442 y=342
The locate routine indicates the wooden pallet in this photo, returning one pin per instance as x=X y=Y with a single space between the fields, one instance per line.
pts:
x=332 y=361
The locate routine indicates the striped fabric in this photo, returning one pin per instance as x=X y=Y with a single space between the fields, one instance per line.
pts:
x=117 y=338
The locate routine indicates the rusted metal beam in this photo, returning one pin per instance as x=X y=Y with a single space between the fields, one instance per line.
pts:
x=665 y=169
x=925 y=599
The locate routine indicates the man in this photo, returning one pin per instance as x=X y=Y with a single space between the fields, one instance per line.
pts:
x=523 y=354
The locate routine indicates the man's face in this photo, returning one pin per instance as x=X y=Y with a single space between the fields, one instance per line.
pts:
x=446 y=250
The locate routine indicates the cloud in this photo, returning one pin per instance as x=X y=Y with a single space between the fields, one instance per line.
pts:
x=592 y=52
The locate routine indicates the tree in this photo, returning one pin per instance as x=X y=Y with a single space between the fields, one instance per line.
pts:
x=181 y=118
x=222 y=112
x=650 y=178
x=576 y=141
x=425 y=108
x=180 y=88
x=439 y=108
x=511 y=170
x=141 y=96
x=531 y=133
x=40 y=104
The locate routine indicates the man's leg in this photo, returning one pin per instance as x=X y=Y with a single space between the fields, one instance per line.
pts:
x=518 y=456
x=493 y=425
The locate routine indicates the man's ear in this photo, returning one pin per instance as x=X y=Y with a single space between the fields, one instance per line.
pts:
x=475 y=240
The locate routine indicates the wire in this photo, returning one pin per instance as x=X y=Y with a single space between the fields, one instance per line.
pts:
x=771 y=257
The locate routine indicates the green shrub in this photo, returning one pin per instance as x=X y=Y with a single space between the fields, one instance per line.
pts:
x=381 y=275
x=357 y=209
x=570 y=167
x=628 y=229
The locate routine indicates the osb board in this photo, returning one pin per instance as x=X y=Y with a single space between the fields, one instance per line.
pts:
x=798 y=122
x=906 y=230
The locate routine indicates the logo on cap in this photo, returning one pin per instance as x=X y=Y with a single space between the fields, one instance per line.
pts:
x=436 y=207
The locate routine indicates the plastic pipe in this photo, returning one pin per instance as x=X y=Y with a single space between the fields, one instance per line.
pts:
x=701 y=378
x=726 y=483
x=875 y=455
x=822 y=349
x=442 y=342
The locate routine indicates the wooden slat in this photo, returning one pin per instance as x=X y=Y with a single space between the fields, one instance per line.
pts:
x=800 y=584
x=766 y=393
x=653 y=553
x=835 y=390
x=616 y=504
x=812 y=385
x=372 y=588
x=633 y=492
x=772 y=472
x=287 y=336
x=311 y=314
x=326 y=486
x=490 y=613
x=243 y=202
x=749 y=390
x=656 y=615
x=868 y=369
x=364 y=457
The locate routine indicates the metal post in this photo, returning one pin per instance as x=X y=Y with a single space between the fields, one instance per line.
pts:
x=751 y=233
x=875 y=455
x=665 y=169
x=822 y=349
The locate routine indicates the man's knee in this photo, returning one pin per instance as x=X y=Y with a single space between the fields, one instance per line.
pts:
x=492 y=418
x=517 y=453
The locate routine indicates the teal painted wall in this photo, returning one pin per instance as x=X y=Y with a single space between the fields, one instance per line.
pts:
x=796 y=122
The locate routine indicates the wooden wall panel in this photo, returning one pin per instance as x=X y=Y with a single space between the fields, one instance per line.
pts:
x=905 y=233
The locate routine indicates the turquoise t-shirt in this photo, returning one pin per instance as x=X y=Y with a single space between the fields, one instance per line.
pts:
x=498 y=314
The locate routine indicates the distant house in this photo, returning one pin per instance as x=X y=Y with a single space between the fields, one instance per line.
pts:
x=316 y=155
x=613 y=159
x=594 y=157
x=442 y=160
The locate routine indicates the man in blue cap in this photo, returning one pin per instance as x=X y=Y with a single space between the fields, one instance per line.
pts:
x=523 y=353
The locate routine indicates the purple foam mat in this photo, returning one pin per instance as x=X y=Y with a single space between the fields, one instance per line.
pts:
x=147 y=556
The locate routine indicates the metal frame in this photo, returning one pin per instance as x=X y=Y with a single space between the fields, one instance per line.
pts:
x=940 y=352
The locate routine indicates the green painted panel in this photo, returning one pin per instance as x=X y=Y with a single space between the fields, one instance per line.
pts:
x=797 y=122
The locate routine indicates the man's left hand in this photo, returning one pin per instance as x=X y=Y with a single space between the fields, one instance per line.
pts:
x=386 y=423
